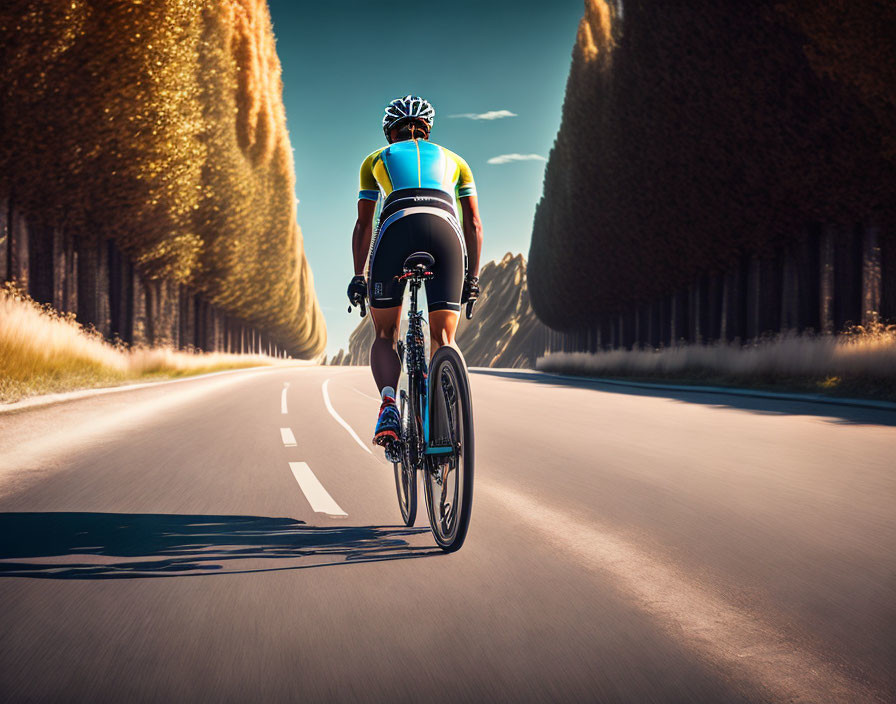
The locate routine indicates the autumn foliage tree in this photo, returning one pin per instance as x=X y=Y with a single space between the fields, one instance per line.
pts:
x=160 y=125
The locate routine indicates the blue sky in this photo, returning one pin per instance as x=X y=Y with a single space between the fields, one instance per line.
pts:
x=343 y=61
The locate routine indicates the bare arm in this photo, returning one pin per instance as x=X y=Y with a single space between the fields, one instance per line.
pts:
x=362 y=233
x=472 y=232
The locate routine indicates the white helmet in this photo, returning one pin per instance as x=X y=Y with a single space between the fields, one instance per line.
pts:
x=410 y=106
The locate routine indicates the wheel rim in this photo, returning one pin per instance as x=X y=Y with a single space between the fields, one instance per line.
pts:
x=446 y=478
x=405 y=474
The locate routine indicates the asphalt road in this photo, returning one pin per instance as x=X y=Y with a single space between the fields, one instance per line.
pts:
x=226 y=539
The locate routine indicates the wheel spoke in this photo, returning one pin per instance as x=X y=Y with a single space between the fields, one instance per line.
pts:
x=405 y=466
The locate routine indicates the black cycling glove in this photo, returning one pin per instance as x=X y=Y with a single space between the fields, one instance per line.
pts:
x=357 y=290
x=471 y=289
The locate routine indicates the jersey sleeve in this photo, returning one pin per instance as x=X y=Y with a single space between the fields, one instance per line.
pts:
x=466 y=187
x=369 y=190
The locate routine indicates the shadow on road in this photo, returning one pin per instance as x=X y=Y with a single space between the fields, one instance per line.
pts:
x=829 y=408
x=57 y=545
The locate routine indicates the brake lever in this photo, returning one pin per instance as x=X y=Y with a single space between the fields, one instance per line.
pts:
x=470 y=304
x=363 y=308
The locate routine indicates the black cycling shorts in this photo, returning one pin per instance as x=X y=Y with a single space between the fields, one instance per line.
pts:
x=417 y=220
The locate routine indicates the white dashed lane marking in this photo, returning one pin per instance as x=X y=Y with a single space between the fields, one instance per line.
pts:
x=314 y=491
x=288 y=438
x=283 y=398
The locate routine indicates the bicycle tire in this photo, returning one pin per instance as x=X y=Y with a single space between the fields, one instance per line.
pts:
x=406 y=470
x=449 y=370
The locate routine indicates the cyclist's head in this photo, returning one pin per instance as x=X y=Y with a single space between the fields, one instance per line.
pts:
x=408 y=129
x=409 y=116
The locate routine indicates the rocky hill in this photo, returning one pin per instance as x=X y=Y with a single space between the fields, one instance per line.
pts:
x=503 y=332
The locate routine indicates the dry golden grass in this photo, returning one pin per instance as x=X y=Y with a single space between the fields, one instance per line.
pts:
x=44 y=352
x=860 y=362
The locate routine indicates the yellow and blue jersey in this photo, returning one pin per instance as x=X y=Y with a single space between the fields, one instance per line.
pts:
x=415 y=163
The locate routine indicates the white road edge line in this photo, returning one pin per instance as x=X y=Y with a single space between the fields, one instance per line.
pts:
x=340 y=420
x=695 y=389
x=314 y=491
x=283 y=398
x=49 y=399
x=699 y=618
x=288 y=438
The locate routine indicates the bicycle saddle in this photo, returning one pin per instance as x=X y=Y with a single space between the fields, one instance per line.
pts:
x=417 y=259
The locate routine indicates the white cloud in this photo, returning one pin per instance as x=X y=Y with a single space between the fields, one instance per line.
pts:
x=490 y=115
x=507 y=158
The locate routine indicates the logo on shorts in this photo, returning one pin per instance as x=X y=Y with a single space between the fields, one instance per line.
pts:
x=378 y=288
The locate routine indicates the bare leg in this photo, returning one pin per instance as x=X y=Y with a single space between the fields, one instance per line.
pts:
x=384 y=360
x=442 y=326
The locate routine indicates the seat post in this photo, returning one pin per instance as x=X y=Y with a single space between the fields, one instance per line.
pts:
x=415 y=284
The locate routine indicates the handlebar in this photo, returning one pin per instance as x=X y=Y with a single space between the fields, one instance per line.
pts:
x=363 y=305
x=423 y=275
x=415 y=273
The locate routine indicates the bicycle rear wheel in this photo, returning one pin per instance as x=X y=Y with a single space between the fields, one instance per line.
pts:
x=448 y=478
x=406 y=469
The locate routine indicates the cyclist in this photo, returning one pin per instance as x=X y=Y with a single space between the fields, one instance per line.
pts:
x=421 y=184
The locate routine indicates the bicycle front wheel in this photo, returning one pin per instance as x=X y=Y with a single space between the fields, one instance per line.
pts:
x=406 y=469
x=448 y=477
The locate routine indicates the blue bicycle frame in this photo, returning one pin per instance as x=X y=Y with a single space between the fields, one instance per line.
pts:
x=416 y=364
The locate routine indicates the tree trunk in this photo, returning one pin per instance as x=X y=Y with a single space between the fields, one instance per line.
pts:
x=70 y=285
x=664 y=322
x=201 y=324
x=40 y=263
x=753 y=298
x=790 y=288
x=847 y=278
x=152 y=312
x=130 y=283
x=88 y=284
x=4 y=238
x=888 y=273
x=18 y=248
x=118 y=293
x=732 y=294
x=59 y=269
x=826 y=280
x=770 y=296
x=188 y=320
x=211 y=329
x=808 y=270
x=142 y=333
x=636 y=327
x=172 y=313
x=652 y=325
x=679 y=318
x=693 y=314
x=713 y=328
x=871 y=275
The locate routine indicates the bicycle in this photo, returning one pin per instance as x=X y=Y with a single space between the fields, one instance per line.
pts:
x=436 y=424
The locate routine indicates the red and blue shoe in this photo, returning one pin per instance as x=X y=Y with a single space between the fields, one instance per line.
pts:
x=388 y=425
